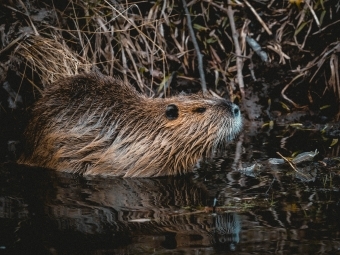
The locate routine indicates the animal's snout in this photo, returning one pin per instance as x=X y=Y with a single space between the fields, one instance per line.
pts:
x=235 y=110
x=232 y=108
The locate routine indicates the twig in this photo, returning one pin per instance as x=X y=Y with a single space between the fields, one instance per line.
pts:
x=221 y=6
x=285 y=88
x=291 y=164
x=22 y=36
x=288 y=161
x=258 y=18
x=322 y=29
x=302 y=15
x=270 y=186
x=306 y=36
x=132 y=24
x=313 y=13
x=239 y=61
x=197 y=49
x=26 y=14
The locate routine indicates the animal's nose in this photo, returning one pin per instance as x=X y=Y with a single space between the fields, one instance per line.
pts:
x=232 y=108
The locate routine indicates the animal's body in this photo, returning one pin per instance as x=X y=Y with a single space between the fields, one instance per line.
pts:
x=94 y=124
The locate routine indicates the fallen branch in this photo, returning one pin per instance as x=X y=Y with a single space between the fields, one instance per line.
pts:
x=197 y=49
x=325 y=27
x=258 y=17
x=238 y=53
x=292 y=165
x=313 y=14
x=288 y=161
x=286 y=87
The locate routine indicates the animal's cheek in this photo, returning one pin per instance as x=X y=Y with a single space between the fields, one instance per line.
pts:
x=173 y=124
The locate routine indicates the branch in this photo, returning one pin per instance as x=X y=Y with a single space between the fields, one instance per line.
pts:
x=258 y=17
x=197 y=49
x=238 y=53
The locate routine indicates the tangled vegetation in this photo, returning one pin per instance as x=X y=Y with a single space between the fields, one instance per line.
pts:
x=284 y=52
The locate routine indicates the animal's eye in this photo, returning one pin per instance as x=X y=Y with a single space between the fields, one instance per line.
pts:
x=171 y=112
x=200 y=109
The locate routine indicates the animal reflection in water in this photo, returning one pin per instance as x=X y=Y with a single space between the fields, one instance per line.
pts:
x=118 y=208
x=144 y=206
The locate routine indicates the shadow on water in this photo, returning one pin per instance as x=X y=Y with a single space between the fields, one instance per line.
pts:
x=215 y=211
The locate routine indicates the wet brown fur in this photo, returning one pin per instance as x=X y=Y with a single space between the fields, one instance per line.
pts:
x=94 y=124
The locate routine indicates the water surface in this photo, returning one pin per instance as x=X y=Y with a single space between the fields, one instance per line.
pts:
x=218 y=210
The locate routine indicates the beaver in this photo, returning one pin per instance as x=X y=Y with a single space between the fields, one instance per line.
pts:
x=94 y=124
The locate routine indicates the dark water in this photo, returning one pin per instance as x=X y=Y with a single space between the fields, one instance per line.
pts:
x=271 y=210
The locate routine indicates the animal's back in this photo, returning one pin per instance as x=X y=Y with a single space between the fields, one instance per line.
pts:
x=94 y=124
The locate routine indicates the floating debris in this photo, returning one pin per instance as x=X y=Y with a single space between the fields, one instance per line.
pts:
x=305 y=156
x=257 y=48
x=250 y=170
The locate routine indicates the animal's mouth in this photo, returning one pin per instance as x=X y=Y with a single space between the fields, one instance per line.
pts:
x=232 y=128
x=233 y=123
x=239 y=124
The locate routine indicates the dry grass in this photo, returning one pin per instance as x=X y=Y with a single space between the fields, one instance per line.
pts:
x=50 y=59
x=149 y=42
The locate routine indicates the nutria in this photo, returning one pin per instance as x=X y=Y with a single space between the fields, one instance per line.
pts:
x=93 y=124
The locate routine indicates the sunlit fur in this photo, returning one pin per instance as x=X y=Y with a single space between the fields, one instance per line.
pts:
x=93 y=124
